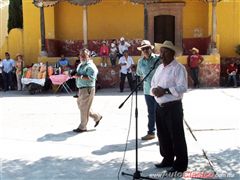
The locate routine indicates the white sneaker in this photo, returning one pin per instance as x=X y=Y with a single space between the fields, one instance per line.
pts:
x=105 y=65
x=101 y=64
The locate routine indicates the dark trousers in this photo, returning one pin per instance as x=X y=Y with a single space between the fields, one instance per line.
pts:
x=122 y=81
x=1 y=81
x=194 y=76
x=113 y=59
x=232 y=77
x=151 y=107
x=8 y=80
x=169 y=121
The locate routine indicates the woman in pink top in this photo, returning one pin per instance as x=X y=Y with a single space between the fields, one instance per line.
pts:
x=104 y=53
x=19 y=67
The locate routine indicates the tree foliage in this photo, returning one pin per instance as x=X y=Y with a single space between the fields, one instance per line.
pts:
x=15 y=18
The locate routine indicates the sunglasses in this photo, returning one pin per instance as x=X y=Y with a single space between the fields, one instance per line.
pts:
x=145 y=48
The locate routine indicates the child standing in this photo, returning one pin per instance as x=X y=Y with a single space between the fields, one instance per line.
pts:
x=104 y=53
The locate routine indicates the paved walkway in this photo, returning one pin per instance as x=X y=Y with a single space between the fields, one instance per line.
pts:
x=37 y=142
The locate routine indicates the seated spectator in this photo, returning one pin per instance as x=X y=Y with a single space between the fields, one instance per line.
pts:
x=104 y=53
x=123 y=45
x=232 y=71
x=63 y=64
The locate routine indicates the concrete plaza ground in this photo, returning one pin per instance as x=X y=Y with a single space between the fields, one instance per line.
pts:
x=37 y=142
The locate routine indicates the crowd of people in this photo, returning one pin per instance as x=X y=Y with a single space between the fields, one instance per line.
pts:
x=165 y=80
x=10 y=72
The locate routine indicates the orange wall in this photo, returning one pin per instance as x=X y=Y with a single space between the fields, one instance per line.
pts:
x=228 y=26
x=106 y=20
x=195 y=19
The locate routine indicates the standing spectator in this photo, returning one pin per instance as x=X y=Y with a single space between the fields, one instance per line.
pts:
x=104 y=53
x=126 y=63
x=19 y=68
x=232 y=70
x=123 y=45
x=8 y=72
x=1 y=77
x=113 y=53
x=168 y=85
x=86 y=81
x=145 y=64
x=74 y=72
x=63 y=64
x=194 y=60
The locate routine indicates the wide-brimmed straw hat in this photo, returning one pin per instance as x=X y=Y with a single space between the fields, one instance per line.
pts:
x=169 y=45
x=145 y=43
x=194 y=49
x=122 y=39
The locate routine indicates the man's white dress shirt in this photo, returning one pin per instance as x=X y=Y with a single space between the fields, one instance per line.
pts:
x=172 y=76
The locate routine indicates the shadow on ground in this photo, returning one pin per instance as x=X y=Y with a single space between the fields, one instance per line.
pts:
x=60 y=136
x=226 y=163
x=121 y=147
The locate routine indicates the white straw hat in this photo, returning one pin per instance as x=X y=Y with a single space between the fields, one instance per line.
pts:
x=169 y=45
x=145 y=43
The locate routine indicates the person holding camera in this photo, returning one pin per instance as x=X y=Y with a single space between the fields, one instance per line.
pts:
x=126 y=63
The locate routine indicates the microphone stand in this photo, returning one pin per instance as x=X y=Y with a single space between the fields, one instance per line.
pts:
x=137 y=173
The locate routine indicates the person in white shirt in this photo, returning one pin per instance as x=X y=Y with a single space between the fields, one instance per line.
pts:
x=113 y=53
x=123 y=45
x=168 y=85
x=8 y=66
x=126 y=63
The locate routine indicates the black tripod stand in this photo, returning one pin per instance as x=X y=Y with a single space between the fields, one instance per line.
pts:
x=137 y=173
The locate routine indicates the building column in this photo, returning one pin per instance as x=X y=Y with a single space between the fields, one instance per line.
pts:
x=85 y=26
x=214 y=49
x=42 y=26
x=145 y=20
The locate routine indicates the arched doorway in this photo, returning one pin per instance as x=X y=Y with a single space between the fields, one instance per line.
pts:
x=164 y=28
x=162 y=12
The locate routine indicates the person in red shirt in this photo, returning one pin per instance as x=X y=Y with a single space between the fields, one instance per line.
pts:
x=104 y=53
x=232 y=71
x=194 y=60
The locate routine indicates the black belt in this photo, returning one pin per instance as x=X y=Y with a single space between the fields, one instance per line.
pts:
x=169 y=103
x=86 y=87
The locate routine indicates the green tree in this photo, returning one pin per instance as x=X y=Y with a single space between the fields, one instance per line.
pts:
x=15 y=17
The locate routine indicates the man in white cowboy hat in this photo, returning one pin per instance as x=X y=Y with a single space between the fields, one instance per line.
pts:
x=168 y=85
x=145 y=64
x=123 y=45
x=193 y=61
